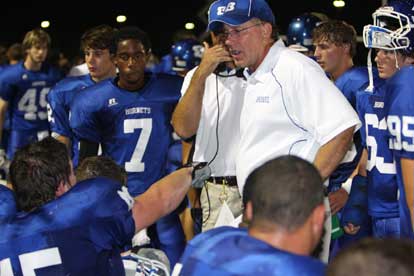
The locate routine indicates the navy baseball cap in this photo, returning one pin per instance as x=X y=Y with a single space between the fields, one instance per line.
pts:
x=237 y=12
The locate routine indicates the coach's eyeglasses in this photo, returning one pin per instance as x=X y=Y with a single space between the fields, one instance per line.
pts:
x=236 y=33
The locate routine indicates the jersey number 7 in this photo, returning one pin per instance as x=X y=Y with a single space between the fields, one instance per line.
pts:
x=136 y=164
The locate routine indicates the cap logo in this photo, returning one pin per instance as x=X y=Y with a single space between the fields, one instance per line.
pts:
x=223 y=9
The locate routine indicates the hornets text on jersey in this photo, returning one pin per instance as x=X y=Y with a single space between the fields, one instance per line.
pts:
x=133 y=128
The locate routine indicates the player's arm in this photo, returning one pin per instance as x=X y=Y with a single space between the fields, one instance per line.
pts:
x=58 y=116
x=407 y=169
x=193 y=193
x=87 y=149
x=3 y=109
x=186 y=116
x=161 y=198
x=332 y=153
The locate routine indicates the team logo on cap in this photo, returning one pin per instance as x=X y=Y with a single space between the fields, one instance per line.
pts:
x=223 y=9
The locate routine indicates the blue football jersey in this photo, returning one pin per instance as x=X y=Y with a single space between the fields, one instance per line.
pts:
x=353 y=80
x=80 y=233
x=381 y=170
x=133 y=128
x=349 y=83
x=400 y=123
x=7 y=203
x=26 y=91
x=59 y=99
x=228 y=251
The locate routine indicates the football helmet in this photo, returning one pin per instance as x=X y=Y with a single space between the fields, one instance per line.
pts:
x=392 y=28
x=186 y=54
x=147 y=262
x=299 y=32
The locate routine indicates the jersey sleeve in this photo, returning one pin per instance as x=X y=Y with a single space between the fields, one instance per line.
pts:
x=84 y=119
x=7 y=203
x=113 y=224
x=58 y=113
x=6 y=89
x=319 y=105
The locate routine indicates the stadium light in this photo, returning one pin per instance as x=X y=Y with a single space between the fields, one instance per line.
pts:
x=45 y=24
x=189 y=26
x=121 y=18
x=338 y=3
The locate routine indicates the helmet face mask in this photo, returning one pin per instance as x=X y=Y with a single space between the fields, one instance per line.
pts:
x=392 y=28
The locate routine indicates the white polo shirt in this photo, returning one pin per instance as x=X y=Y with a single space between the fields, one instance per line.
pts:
x=290 y=107
x=230 y=101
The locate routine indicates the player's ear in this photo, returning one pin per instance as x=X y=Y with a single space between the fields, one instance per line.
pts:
x=248 y=213
x=61 y=189
x=347 y=48
x=148 y=55
x=318 y=219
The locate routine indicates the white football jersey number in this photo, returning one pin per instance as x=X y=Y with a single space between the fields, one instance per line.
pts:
x=130 y=125
x=28 y=104
x=374 y=160
x=31 y=261
x=407 y=131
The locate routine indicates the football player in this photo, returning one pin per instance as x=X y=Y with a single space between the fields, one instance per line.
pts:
x=284 y=207
x=67 y=229
x=392 y=35
x=335 y=44
x=23 y=90
x=98 y=47
x=130 y=117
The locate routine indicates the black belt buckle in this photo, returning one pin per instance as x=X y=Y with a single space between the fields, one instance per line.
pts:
x=223 y=180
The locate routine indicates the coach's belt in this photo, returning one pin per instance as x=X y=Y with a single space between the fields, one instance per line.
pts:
x=223 y=180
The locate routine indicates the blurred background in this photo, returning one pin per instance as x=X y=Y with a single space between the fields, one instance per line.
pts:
x=160 y=19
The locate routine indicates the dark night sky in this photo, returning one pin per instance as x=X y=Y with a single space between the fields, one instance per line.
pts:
x=159 y=18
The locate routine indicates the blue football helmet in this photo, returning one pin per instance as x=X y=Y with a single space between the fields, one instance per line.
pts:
x=299 y=33
x=393 y=27
x=186 y=54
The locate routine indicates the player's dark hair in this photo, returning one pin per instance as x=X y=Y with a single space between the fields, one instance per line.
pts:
x=15 y=52
x=105 y=166
x=374 y=257
x=283 y=192
x=36 y=172
x=133 y=32
x=338 y=32
x=100 y=37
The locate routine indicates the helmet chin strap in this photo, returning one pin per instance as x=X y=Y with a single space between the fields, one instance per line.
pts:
x=370 y=87
x=396 y=60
